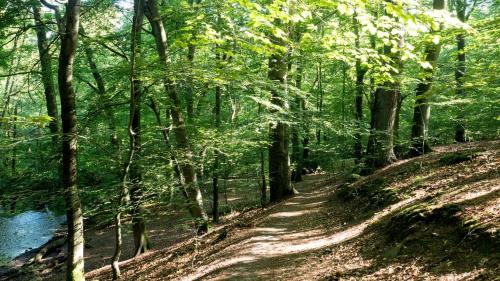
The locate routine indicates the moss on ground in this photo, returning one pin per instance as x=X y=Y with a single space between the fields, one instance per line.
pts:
x=458 y=157
x=375 y=193
x=421 y=230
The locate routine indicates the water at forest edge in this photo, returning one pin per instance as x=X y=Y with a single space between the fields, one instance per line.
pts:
x=26 y=231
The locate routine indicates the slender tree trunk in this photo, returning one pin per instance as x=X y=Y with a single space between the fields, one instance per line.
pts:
x=166 y=138
x=13 y=162
x=297 y=152
x=279 y=179
x=305 y=139
x=75 y=269
x=190 y=57
x=263 y=183
x=319 y=105
x=190 y=86
x=398 y=148
x=115 y=266
x=373 y=89
x=141 y=240
x=8 y=84
x=185 y=155
x=460 y=133
x=101 y=91
x=46 y=71
x=358 y=100
x=215 y=179
x=263 y=186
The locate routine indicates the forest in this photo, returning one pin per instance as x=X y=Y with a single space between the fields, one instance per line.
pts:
x=249 y=140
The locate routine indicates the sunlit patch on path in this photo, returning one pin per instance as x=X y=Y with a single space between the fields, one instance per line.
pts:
x=290 y=231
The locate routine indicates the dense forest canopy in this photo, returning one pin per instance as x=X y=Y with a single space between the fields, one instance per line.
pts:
x=110 y=107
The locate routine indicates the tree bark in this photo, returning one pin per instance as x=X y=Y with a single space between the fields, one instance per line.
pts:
x=297 y=152
x=380 y=148
x=358 y=100
x=215 y=179
x=319 y=105
x=189 y=78
x=115 y=266
x=75 y=268
x=398 y=148
x=263 y=183
x=422 y=109
x=185 y=155
x=460 y=134
x=101 y=91
x=141 y=240
x=279 y=179
x=46 y=71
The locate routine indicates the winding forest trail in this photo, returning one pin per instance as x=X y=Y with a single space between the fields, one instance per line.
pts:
x=276 y=242
x=320 y=235
x=291 y=239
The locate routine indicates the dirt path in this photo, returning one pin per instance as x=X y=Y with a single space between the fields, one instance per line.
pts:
x=289 y=239
x=272 y=246
x=291 y=236
x=317 y=235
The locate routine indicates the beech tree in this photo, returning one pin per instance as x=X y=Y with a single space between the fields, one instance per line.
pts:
x=422 y=111
x=185 y=155
x=380 y=147
x=185 y=107
x=47 y=75
x=279 y=178
x=75 y=269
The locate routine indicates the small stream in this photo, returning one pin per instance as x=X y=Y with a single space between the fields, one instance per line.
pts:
x=26 y=231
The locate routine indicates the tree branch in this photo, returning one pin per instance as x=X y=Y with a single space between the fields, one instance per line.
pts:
x=471 y=9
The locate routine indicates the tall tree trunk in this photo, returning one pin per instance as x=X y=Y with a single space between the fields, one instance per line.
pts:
x=297 y=152
x=358 y=100
x=47 y=79
x=13 y=162
x=166 y=138
x=8 y=82
x=215 y=178
x=305 y=139
x=190 y=86
x=141 y=240
x=460 y=134
x=101 y=91
x=279 y=179
x=75 y=268
x=381 y=141
x=189 y=78
x=319 y=103
x=115 y=266
x=185 y=155
x=263 y=184
x=398 y=148
x=422 y=110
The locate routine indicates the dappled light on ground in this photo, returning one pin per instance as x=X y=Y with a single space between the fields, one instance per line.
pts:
x=316 y=235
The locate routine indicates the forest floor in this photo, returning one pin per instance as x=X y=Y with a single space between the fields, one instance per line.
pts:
x=434 y=217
